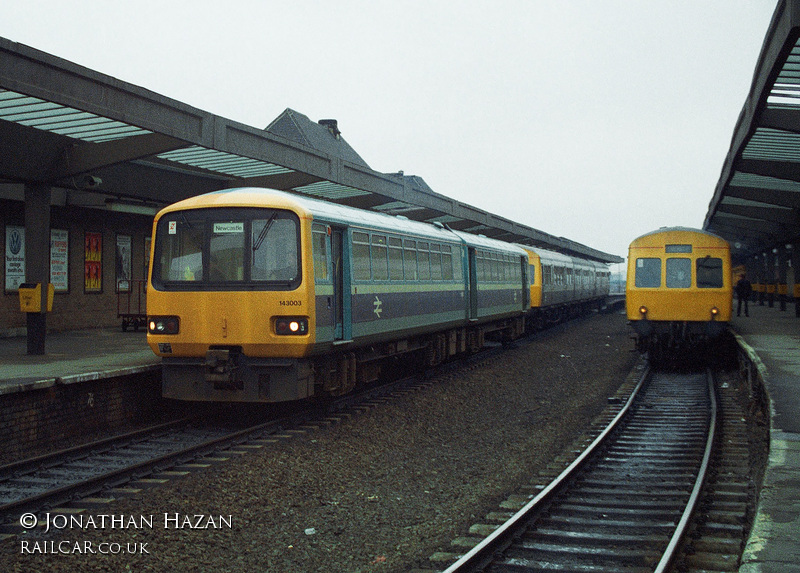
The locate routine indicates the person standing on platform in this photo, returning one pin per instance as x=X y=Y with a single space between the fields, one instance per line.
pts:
x=743 y=290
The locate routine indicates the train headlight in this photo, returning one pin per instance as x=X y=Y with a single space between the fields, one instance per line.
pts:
x=163 y=325
x=714 y=312
x=291 y=325
x=643 y=310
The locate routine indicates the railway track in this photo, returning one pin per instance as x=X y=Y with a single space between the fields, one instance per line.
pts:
x=624 y=504
x=61 y=478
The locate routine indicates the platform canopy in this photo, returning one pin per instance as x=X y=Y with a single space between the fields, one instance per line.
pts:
x=126 y=147
x=756 y=204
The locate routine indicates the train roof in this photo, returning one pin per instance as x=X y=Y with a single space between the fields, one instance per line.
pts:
x=666 y=230
x=554 y=256
x=336 y=213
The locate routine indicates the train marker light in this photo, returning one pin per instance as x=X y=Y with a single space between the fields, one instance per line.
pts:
x=163 y=325
x=643 y=310
x=714 y=312
x=291 y=325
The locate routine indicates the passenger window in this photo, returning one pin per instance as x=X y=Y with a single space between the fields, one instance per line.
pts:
x=319 y=247
x=483 y=266
x=679 y=273
x=447 y=263
x=648 y=273
x=361 y=256
x=410 y=256
x=423 y=262
x=395 y=259
x=458 y=273
x=709 y=272
x=436 y=263
x=380 y=258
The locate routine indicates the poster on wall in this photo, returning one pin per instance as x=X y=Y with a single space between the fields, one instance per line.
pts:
x=93 y=262
x=123 y=263
x=15 y=257
x=59 y=259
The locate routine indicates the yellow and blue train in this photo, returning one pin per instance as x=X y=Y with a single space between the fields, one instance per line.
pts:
x=678 y=294
x=257 y=295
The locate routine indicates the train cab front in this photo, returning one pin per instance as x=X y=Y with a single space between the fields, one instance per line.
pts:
x=228 y=310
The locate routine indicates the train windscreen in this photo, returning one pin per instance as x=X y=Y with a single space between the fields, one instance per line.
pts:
x=227 y=249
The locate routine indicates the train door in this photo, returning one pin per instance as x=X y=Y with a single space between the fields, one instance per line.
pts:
x=341 y=285
x=526 y=283
x=473 y=284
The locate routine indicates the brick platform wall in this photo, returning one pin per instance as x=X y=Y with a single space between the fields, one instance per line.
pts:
x=40 y=421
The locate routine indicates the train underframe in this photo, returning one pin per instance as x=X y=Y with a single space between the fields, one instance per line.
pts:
x=545 y=317
x=226 y=374
x=673 y=343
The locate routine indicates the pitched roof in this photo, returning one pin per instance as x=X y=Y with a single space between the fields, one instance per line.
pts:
x=323 y=136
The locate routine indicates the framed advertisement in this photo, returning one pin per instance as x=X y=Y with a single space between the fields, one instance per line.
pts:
x=123 y=264
x=93 y=262
x=59 y=259
x=15 y=257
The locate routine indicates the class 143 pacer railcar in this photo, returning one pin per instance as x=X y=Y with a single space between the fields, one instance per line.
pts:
x=257 y=295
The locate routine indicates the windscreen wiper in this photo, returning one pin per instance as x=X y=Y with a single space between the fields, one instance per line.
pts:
x=263 y=234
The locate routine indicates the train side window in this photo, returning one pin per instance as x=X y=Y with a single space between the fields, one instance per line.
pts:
x=319 y=249
x=447 y=263
x=532 y=271
x=458 y=257
x=483 y=266
x=361 y=256
x=395 y=259
x=648 y=273
x=410 y=256
x=436 y=262
x=709 y=272
x=423 y=262
x=380 y=258
x=679 y=273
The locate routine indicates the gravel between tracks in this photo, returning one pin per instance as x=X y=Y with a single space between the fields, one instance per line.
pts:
x=379 y=492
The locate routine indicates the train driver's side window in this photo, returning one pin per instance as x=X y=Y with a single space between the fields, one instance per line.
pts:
x=709 y=272
x=648 y=273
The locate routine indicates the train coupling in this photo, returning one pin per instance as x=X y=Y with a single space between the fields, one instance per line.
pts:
x=221 y=365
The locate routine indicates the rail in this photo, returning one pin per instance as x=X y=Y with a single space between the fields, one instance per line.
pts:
x=523 y=551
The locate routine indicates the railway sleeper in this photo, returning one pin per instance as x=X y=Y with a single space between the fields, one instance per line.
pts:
x=544 y=553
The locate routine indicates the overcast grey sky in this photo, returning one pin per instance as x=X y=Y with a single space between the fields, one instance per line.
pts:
x=595 y=120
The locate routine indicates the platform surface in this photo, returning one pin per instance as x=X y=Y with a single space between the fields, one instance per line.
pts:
x=74 y=356
x=774 y=543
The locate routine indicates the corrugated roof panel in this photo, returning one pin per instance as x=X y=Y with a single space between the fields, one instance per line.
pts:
x=330 y=191
x=223 y=162
x=740 y=179
x=773 y=144
x=397 y=207
x=63 y=120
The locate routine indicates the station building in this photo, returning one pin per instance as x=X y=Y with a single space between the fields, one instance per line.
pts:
x=99 y=253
